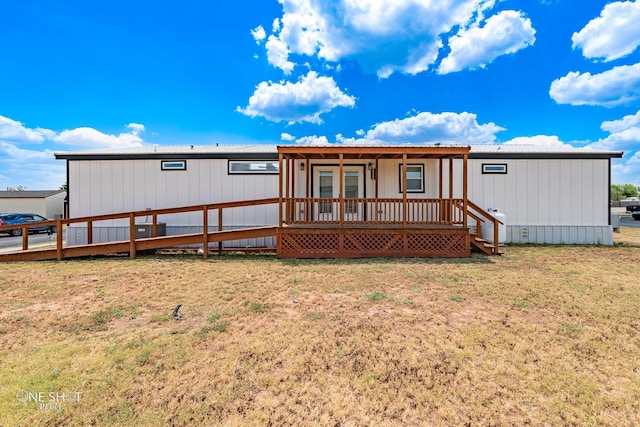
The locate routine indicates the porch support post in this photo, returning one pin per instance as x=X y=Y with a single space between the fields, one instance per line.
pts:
x=450 y=210
x=464 y=190
x=375 y=175
x=340 y=192
x=440 y=176
x=280 y=170
x=404 y=190
x=294 y=172
x=287 y=188
x=307 y=208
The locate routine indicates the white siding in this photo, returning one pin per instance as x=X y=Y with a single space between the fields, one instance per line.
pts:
x=544 y=200
x=113 y=186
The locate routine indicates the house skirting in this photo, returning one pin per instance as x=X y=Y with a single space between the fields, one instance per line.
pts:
x=334 y=242
x=560 y=234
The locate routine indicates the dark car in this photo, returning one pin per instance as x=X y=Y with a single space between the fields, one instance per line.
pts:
x=633 y=208
x=636 y=216
x=25 y=218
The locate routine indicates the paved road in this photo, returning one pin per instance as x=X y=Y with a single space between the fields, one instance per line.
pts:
x=7 y=241
x=627 y=221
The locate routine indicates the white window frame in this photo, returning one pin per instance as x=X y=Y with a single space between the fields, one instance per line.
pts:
x=412 y=165
x=255 y=167
x=173 y=165
x=494 y=168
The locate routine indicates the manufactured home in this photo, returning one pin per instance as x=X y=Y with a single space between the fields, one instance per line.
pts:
x=336 y=200
x=48 y=203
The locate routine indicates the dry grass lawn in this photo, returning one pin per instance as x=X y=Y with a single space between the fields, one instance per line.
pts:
x=543 y=335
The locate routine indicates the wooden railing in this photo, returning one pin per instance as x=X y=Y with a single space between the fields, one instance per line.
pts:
x=373 y=211
x=132 y=221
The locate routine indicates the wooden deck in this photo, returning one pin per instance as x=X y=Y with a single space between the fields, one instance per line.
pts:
x=425 y=228
x=373 y=241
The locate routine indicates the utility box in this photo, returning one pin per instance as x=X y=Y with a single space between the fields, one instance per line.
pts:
x=615 y=222
x=146 y=230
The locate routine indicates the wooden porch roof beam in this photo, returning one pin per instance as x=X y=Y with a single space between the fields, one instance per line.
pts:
x=353 y=152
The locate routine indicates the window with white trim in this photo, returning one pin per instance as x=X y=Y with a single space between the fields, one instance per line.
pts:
x=173 y=165
x=498 y=168
x=415 y=178
x=254 y=167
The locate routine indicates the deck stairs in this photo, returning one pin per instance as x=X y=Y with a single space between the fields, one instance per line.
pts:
x=483 y=246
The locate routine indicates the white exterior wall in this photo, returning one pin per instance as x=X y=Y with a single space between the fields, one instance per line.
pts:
x=54 y=205
x=555 y=201
x=50 y=207
x=544 y=200
x=23 y=205
x=99 y=187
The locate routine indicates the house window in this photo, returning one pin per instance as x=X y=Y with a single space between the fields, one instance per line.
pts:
x=415 y=178
x=499 y=168
x=351 y=179
x=173 y=165
x=326 y=191
x=254 y=167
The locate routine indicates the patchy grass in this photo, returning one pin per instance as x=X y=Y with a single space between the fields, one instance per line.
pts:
x=545 y=336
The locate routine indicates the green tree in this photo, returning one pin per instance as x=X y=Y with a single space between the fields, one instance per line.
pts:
x=18 y=188
x=63 y=187
x=629 y=190
x=619 y=192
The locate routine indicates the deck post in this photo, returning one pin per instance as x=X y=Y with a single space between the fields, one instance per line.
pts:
x=132 y=235
x=450 y=210
x=154 y=225
x=404 y=190
x=440 y=176
x=25 y=238
x=89 y=232
x=279 y=190
x=59 y=253
x=307 y=208
x=340 y=192
x=220 y=229
x=287 y=188
x=464 y=190
x=205 y=232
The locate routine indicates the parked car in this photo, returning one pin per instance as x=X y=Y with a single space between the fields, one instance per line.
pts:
x=633 y=208
x=25 y=218
x=636 y=216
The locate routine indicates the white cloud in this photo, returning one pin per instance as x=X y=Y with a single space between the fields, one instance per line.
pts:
x=278 y=54
x=538 y=140
x=92 y=138
x=627 y=122
x=507 y=32
x=303 y=101
x=612 y=35
x=258 y=34
x=12 y=151
x=386 y=36
x=624 y=136
x=618 y=86
x=11 y=130
x=313 y=140
x=38 y=169
x=447 y=127
x=33 y=169
x=136 y=128
x=286 y=137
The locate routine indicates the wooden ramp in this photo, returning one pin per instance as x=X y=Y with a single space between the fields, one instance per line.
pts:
x=140 y=244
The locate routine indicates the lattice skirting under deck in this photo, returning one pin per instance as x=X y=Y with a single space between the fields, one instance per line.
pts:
x=365 y=243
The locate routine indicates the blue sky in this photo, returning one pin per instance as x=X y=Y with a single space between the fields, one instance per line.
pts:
x=78 y=75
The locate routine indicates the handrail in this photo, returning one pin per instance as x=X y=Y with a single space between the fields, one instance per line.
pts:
x=204 y=208
x=496 y=222
x=426 y=211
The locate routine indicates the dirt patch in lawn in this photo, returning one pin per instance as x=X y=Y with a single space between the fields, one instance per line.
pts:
x=543 y=335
